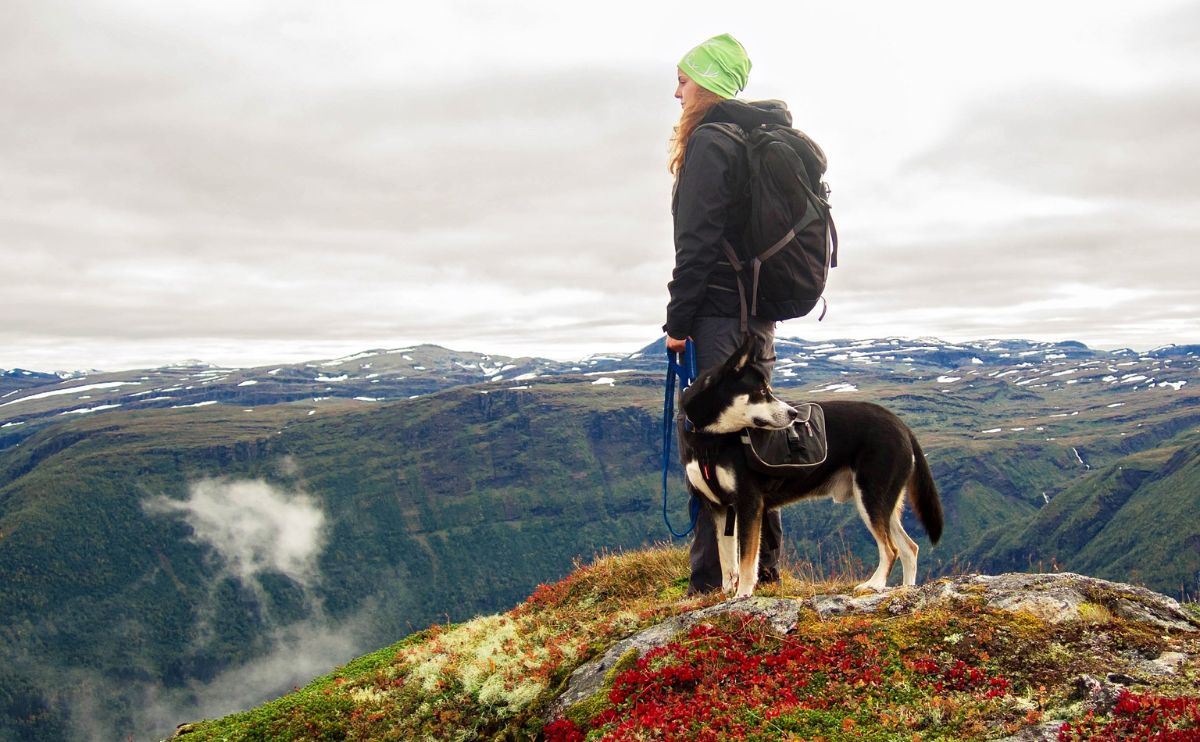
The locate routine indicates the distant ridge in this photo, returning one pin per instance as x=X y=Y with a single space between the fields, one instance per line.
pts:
x=376 y=375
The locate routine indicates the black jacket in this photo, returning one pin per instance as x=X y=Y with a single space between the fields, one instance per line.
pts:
x=710 y=203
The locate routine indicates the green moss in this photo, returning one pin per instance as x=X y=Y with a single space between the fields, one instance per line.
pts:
x=1094 y=613
x=674 y=590
x=589 y=707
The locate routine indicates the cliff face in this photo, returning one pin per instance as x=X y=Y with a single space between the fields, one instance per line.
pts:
x=617 y=647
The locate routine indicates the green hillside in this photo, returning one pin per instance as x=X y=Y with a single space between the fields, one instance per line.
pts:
x=1135 y=520
x=432 y=512
x=137 y=592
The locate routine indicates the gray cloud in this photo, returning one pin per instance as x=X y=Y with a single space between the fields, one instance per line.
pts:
x=252 y=526
x=188 y=202
x=233 y=178
x=253 y=529
x=296 y=654
x=1123 y=147
x=1106 y=278
x=299 y=652
x=1100 y=229
x=1169 y=36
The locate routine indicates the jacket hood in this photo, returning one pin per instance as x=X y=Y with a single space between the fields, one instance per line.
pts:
x=749 y=114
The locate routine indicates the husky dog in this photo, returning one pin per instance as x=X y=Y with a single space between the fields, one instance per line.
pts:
x=873 y=459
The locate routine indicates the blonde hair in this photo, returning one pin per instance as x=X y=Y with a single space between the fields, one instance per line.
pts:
x=688 y=121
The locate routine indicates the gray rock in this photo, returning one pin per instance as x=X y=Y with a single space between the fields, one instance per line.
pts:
x=1126 y=601
x=1055 y=605
x=588 y=679
x=1165 y=615
x=1099 y=695
x=1167 y=663
x=835 y=605
x=1054 y=598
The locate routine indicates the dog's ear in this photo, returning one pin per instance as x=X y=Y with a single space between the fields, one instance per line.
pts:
x=744 y=354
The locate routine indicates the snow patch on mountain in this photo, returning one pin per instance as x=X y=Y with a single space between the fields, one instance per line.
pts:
x=72 y=390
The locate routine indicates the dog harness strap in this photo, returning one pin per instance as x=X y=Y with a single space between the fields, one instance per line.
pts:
x=708 y=471
x=730 y=520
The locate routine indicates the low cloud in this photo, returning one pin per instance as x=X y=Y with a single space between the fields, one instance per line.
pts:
x=297 y=653
x=253 y=527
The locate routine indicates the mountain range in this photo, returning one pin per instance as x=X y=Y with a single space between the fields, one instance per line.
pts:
x=181 y=542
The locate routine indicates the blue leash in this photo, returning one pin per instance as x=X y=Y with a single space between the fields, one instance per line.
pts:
x=687 y=374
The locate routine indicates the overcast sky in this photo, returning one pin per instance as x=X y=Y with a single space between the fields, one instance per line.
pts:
x=253 y=181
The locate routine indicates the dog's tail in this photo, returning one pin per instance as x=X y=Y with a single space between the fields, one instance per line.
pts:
x=923 y=494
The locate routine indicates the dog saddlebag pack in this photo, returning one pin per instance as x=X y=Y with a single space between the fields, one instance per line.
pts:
x=781 y=452
x=790 y=242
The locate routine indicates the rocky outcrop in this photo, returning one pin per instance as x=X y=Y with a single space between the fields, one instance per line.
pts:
x=1050 y=598
x=1054 y=598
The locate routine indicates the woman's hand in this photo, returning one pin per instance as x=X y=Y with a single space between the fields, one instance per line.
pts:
x=676 y=346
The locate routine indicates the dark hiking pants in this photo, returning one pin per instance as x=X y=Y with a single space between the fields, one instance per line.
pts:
x=716 y=338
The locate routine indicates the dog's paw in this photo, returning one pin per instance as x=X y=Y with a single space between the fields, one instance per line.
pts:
x=867 y=587
x=730 y=583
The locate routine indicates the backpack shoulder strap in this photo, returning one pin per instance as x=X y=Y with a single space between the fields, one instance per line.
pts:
x=733 y=131
x=738 y=266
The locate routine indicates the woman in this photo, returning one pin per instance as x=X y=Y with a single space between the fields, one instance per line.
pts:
x=709 y=205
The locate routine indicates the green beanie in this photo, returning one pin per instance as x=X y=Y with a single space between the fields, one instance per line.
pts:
x=719 y=64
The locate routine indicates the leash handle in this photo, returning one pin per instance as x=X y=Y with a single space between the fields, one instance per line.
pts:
x=682 y=365
x=686 y=372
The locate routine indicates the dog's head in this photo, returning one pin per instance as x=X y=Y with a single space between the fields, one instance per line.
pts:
x=735 y=395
